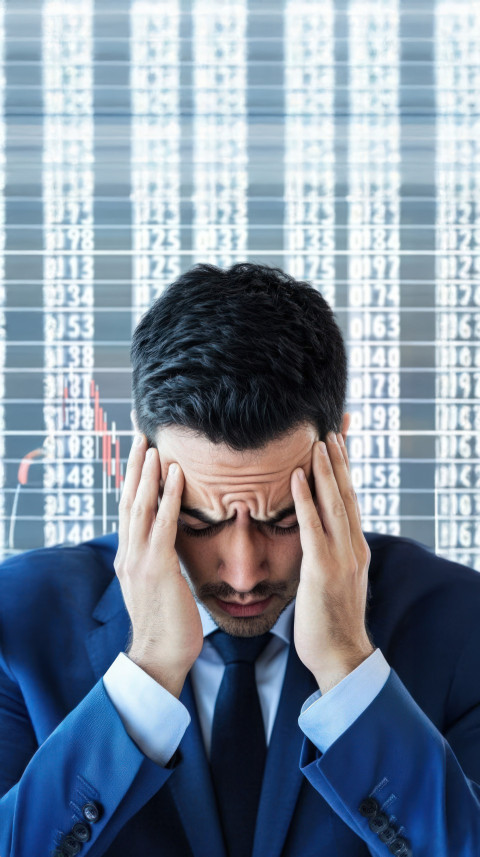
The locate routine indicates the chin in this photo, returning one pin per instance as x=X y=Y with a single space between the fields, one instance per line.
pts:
x=252 y=626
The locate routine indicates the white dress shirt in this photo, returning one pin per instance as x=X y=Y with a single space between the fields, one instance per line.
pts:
x=156 y=720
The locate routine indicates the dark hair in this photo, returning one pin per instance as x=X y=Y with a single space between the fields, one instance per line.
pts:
x=240 y=356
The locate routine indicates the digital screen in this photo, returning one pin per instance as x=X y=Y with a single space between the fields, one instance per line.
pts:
x=337 y=140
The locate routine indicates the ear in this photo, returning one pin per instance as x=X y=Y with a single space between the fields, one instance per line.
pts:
x=133 y=417
x=345 y=426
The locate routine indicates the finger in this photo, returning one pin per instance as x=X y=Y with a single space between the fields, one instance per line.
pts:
x=312 y=536
x=338 y=458
x=130 y=485
x=347 y=491
x=165 y=526
x=343 y=447
x=144 y=507
x=331 y=506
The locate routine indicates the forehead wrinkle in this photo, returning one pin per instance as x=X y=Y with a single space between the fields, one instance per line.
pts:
x=248 y=483
x=222 y=502
x=249 y=478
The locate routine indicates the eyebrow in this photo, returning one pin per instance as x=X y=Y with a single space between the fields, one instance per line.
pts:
x=207 y=519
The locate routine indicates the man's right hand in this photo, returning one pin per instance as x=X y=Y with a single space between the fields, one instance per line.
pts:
x=167 y=630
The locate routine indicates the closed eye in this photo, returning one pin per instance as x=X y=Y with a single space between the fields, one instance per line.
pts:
x=213 y=529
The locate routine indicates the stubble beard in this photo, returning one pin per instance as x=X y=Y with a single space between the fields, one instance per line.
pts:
x=244 y=626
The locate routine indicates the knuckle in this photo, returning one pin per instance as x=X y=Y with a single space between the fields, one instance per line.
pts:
x=145 y=472
x=139 y=510
x=125 y=503
x=338 y=509
x=326 y=465
x=161 y=522
x=351 y=495
x=171 y=487
x=353 y=564
x=314 y=523
x=134 y=560
x=366 y=553
x=132 y=463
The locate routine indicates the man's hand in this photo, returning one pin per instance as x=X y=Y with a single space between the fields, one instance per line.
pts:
x=329 y=631
x=167 y=629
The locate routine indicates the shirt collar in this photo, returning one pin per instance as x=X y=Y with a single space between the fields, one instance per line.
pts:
x=281 y=629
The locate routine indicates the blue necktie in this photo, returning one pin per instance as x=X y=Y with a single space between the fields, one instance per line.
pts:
x=238 y=747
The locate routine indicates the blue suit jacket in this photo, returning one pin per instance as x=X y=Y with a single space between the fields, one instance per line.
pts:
x=416 y=748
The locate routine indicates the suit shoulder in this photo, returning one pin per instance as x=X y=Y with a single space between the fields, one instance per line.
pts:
x=414 y=571
x=58 y=569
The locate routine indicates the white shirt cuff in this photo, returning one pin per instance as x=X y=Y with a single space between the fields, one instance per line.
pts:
x=154 y=718
x=324 y=718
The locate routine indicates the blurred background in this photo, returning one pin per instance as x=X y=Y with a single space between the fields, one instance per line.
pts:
x=337 y=139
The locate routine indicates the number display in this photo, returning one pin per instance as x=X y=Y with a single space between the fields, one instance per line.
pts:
x=338 y=141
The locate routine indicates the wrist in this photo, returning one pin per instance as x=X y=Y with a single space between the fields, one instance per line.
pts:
x=169 y=677
x=331 y=673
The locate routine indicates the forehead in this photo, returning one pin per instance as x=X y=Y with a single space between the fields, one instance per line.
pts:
x=216 y=476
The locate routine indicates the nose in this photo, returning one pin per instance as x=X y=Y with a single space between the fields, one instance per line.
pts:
x=243 y=563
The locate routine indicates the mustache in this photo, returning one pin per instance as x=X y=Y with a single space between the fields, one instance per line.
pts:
x=261 y=591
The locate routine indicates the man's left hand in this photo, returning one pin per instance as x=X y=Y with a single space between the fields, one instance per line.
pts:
x=329 y=628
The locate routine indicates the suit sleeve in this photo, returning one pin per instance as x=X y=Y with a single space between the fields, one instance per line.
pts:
x=89 y=760
x=403 y=786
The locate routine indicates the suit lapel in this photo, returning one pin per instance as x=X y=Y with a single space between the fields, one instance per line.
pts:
x=282 y=778
x=190 y=783
x=105 y=642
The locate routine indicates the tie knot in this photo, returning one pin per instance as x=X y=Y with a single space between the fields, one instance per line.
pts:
x=239 y=649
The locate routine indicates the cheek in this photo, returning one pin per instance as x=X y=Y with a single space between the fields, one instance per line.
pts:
x=287 y=551
x=196 y=552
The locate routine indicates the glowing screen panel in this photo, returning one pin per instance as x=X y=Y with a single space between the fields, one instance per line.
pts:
x=337 y=140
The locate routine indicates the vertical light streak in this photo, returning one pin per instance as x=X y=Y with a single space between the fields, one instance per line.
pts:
x=155 y=145
x=309 y=236
x=68 y=189
x=374 y=261
x=220 y=132
x=457 y=411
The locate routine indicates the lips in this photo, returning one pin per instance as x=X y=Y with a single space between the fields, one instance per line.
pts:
x=236 y=609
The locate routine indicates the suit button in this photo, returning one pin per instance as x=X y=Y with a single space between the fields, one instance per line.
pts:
x=387 y=835
x=91 y=811
x=81 y=831
x=70 y=845
x=378 y=823
x=400 y=847
x=368 y=807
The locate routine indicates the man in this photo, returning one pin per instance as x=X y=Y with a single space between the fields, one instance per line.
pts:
x=242 y=672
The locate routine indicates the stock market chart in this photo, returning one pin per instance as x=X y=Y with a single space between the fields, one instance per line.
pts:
x=337 y=140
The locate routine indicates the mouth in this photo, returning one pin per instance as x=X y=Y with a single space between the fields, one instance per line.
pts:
x=233 y=608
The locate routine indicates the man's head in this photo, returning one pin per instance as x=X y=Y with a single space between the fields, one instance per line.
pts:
x=236 y=373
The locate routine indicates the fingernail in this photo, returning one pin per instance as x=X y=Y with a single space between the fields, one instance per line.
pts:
x=322 y=447
x=150 y=453
x=332 y=437
x=138 y=439
x=340 y=439
x=172 y=470
x=301 y=475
